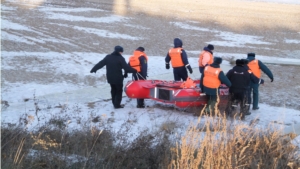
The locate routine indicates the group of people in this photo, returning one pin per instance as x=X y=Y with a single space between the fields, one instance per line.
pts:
x=115 y=64
x=242 y=80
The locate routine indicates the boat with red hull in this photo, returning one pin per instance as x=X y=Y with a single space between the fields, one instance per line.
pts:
x=177 y=93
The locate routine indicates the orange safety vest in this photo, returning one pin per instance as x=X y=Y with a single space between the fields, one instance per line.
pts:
x=211 y=77
x=254 y=67
x=201 y=58
x=134 y=61
x=176 y=60
x=189 y=83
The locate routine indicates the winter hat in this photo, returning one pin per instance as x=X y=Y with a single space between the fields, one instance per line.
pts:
x=118 y=49
x=239 y=62
x=217 y=60
x=141 y=49
x=210 y=47
x=251 y=54
x=245 y=61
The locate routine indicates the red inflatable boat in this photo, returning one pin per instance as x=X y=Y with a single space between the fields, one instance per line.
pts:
x=178 y=93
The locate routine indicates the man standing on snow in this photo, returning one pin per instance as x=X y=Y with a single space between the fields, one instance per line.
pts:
x=114 y=63
x=239 y=77
x=212 y=77
x=206 y=57
x=179 y=61
x=254 y=80
x=255 y=66
x=139 y=61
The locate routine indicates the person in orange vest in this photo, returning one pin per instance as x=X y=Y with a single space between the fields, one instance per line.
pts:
x=256 y=66
x=254 y=80
x=139 y=61
x=179 y=61
x=206 y=57
x=212 y=78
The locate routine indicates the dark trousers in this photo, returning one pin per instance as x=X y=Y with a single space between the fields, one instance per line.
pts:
x=254 y=90
x=180 y=73
x=116 y=94
x=201 y=69
x=211 y=103
x=140 y=102
x=237 y=98
x=248 y=98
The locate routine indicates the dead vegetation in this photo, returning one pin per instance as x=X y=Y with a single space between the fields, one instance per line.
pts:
x=217 y=145
x=212 y=142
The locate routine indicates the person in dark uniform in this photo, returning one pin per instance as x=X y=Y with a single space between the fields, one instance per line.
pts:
x=254 y=80
x=114 y=63
x=239 y=77
x=212 y=78
x=179 y=61
x=139 y=61
x=256 y=66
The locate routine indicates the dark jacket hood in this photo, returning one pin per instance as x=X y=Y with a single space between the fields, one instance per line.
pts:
x=177 y=43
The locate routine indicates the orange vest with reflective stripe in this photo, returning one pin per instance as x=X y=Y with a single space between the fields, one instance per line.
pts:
x=134 y=61
x=254 y=67
x=211 y=77
x=201 y=58
x=176 y=60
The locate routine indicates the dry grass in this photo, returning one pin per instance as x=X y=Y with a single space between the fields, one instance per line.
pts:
x=214 y=144
x=217 y=145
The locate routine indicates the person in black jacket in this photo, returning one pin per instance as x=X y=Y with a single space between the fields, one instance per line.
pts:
x=254 y=80
x=114 y=63
x=239 y=77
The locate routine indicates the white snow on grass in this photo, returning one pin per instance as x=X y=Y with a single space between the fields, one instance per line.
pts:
x=292 y=41
x=237 y=40
x=107 y=34
x=69 y=9
x=6 y=24
x=20 y=91
x=5 y=8
x=11 y=37
x=187 y=26
x=67 y=17
x=229 y=39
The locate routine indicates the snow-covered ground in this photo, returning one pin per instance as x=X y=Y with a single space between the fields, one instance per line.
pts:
x=51 y=58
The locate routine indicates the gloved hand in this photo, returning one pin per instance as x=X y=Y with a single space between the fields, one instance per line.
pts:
x=190 y=69
x=125 y=75
x=167 y=66
x=272 y=79
x=262 y=81
x=93 y=71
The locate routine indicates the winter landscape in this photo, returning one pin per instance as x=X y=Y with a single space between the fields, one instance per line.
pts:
x=49 y=47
